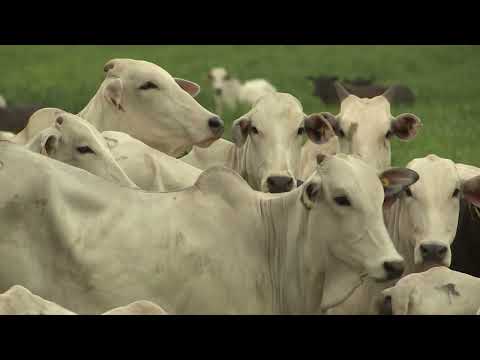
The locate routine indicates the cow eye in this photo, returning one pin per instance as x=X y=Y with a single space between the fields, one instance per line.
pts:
x=301 y=131
x=254 y=130
x=342 y=201
x=341 y=133
x=85 y=150
x=148 y=85
x=455 y=193
x=408 y=192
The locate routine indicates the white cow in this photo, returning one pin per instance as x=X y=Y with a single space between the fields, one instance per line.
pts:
x=3 y=102
x=216 y=247
x=437 y=291
x=143 y=100
x=6 y=135
x=147 y=167
x=74 y=141
x=422 y=222
x=364 y=127
x=231 y=92
x=267 y=145
x=20 y=301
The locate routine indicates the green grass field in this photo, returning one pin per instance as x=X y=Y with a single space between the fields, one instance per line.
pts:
x=445 y=79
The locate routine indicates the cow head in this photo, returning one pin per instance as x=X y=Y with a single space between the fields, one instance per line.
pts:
x=348 y=195
x=156 y=108
x=74 y=141
x=365 y=126
x=271 y=136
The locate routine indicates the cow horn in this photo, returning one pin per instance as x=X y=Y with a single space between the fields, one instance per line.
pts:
x=389 y=94
x=342 y=93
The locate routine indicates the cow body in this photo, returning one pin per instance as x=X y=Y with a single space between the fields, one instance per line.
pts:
x=90 y=245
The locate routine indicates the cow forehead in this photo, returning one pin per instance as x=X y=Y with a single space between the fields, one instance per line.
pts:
x=274 y=108
x=138 y=70
x=368 y=113
x=79 y=128
x=438 y=176
x=351 y=174
x=218 y=72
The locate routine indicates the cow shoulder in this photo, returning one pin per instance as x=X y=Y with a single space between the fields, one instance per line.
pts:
x=226 y=183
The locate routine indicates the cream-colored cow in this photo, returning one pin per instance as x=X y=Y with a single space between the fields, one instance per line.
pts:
x=75 y=141
x=437 y=291
x=216 y=247
x=266 y=146
x=20 y=301
x=422 y=222
x=364 y=127
x=143 y=100
x=147 y=167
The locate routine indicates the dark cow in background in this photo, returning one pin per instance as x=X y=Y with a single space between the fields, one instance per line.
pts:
x=15 y=118
x=364 y=88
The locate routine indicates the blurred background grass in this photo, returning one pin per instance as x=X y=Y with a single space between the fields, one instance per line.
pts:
x=445 y=80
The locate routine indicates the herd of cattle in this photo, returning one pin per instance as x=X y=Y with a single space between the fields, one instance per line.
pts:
x=137 y=205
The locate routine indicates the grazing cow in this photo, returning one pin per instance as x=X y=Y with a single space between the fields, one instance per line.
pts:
x=267 y=145
x=143 y=100
x=14 y=118
x=216 y=247
x=147 y=167
x=364 y=127
x=437 y=291
x=230 y=91
x=324 y=88
x=75 y=141
x=422 y=223
x=20 y=301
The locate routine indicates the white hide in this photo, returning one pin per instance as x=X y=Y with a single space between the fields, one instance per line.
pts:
x=145 y=101
x=231 y=92
x=147 y=167
x=216 y=247
x=437 y=291
x=428 y=217
x=267 y=142
x=364 y=127
x=76 y=142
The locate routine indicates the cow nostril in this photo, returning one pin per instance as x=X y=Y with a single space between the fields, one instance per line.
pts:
x=394 y=269
x=432 y=252
x=278 y=184
x=215 y=124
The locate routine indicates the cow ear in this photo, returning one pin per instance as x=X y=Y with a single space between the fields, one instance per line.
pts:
x=321 y=127
x=471 y=190
x=405 y=126
x=113 y=92
x=311 y=193
x=190 y=87
x=49 y=142
x=401 y=299
x=240 y=130
x=396 y=180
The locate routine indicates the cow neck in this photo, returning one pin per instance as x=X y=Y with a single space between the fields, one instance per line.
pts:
x=239 y=163
x=285 y=222
x=100 y=114
x=396 y=220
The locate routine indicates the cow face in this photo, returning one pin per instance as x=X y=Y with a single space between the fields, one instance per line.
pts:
x=365 y=127
x=74 y=141
x=218 y=78
x=347 y=194
x=272 y=135
x=156 y=108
